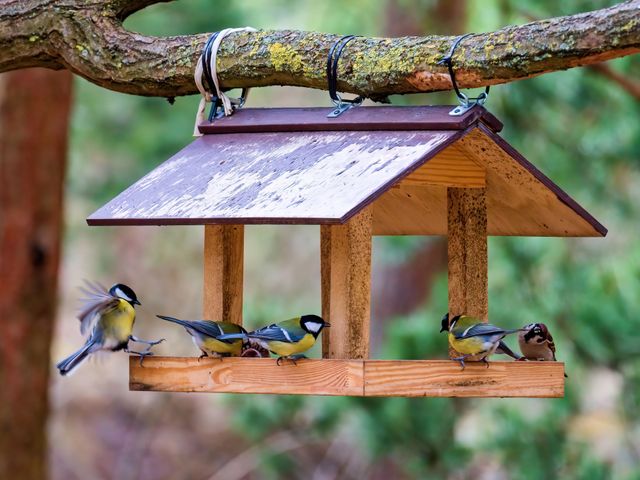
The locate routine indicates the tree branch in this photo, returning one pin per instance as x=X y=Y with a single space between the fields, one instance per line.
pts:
x=87 y=37
x=627 y=84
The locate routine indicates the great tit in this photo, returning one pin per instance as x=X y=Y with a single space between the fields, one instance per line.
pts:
x=476 y=340
x=106 y=319
x=206 y=333
x=286 y=339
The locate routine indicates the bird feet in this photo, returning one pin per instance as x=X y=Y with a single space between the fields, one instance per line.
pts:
x=461 y=360
x=145 y=353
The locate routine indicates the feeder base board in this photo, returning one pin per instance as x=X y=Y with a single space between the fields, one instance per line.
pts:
x=360 y=378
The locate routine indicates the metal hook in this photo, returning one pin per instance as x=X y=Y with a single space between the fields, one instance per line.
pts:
x=466 y=103
x=342 y=105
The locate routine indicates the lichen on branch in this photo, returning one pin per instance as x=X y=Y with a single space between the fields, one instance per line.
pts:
x=88 y=38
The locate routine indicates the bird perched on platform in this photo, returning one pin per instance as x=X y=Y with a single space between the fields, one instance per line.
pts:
x=206 y=336
x=288 y=339
x=536 y=343
x=106 y=319
x=474 y=339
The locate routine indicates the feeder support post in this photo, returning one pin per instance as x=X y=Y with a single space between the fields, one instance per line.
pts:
x=345 y=252
x=467 y=252
x=223 y=272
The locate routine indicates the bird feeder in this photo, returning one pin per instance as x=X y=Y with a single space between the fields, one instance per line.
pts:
x=372 y=171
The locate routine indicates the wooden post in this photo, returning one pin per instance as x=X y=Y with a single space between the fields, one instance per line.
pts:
x=223 y=272
x=467 y=251
x=346 y=287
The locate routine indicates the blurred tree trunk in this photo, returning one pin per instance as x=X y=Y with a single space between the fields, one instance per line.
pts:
x=34 y=118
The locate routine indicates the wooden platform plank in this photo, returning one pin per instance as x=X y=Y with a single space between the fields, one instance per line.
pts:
x=443 y=378
x=374 y=378
x=247 y=375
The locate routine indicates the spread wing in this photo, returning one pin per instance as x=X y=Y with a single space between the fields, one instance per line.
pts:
x=215 y=329
x=276 y=333
x=97 y=301
x=480 y=329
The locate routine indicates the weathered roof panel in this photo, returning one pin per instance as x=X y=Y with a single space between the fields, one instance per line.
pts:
x=286 y=177
x=277 y=166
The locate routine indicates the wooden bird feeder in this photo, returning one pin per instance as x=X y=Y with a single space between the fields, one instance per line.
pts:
x=372 y=171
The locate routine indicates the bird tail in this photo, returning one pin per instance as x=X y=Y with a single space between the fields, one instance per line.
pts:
x=514 y=330
x=184 y=323
x=70 y=363
x=504 y=349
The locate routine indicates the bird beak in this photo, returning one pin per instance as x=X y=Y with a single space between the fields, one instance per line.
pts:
x=326 y=324
x=442 y=329
x=136 y=302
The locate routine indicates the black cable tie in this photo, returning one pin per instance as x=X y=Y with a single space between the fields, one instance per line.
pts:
x=332 y=77
x=448 y=61
x=216 y=103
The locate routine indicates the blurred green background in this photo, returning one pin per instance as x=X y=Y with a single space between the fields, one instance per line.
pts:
x=579 y=127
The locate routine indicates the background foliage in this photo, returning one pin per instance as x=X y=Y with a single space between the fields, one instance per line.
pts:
x=578 y=127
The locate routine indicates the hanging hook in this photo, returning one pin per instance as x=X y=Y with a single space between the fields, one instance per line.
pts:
x=342 y=105
x=466 y=103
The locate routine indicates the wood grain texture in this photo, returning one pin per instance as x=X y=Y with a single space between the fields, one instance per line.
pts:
x=349 y=284
x=223 y=272
x=247 y=375
x=521 y=199
x=452 y=167
x=442 y=378
x=467 y=253
x=325 y=282
x=374 y=378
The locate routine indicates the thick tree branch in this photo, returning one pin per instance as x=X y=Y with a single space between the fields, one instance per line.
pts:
x=87 y=37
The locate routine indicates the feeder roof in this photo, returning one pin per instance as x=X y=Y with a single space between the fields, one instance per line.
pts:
x=295 y=166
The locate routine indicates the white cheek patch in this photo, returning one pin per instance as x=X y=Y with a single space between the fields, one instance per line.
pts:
x=313 y=326
x=121 y=294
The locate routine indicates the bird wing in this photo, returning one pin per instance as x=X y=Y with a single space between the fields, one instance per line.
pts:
x=216 y=329
x=284 y=332
x=97 y=301
x=480 y=329
x=552 y=345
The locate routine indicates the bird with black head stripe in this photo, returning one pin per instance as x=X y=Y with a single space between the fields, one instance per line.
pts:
x=288 y=339
x=206 y=336
x=106 y=320
x=474 y=339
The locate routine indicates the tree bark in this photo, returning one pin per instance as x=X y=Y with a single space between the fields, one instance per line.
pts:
x=87 y=37
x=34 y=111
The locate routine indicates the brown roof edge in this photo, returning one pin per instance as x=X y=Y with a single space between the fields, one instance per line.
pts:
x=266 y=120
x=169 y=221
x=560 y=194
